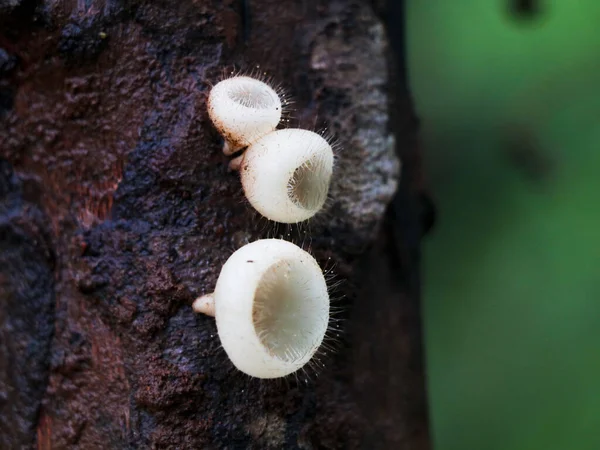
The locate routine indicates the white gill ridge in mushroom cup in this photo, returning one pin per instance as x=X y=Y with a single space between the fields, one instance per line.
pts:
x=243 y=109
x=271 y=307
x=286 y=174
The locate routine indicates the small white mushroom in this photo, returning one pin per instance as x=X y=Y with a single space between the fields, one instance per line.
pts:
x=286 y=174
x=243 y=109
x=271 y=306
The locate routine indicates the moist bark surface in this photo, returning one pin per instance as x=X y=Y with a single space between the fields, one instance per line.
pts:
x=117 y=210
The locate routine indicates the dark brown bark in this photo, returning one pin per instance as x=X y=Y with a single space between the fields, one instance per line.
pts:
x=117 y=210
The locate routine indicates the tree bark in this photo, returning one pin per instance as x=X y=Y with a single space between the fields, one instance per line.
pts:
x=117 y=210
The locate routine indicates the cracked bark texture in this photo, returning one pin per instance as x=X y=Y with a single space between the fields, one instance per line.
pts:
x=117 y=211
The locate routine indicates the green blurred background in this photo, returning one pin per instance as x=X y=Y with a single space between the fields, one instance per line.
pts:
x=511 y=130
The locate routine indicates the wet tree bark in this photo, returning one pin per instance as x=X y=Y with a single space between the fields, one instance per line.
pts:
x=117 y=210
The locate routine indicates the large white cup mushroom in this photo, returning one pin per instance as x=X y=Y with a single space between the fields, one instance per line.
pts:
x=271 y=306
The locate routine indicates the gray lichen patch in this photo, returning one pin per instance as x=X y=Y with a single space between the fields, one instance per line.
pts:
x=354 y=99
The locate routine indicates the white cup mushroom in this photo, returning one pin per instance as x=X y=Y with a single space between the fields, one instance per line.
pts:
x=286 y=174
x=271 y=306
x=243 y=109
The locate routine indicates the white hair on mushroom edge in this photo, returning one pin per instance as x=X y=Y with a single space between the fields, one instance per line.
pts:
x=243 y=109
x=286 y=174
x=271 y=306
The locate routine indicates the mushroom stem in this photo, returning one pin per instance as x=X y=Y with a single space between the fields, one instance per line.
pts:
x=236 y=163
x=229 y=148
x=205 y=304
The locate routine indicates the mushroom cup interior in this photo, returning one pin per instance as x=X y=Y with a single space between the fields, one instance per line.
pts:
x=289 y=313
x=309 y=184
x=252 y=94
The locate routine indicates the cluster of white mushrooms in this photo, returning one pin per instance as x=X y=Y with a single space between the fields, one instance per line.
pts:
x=285 y=173
x=271 y=301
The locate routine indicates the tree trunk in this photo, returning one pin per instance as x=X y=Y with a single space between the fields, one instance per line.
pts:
x=117 y=210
